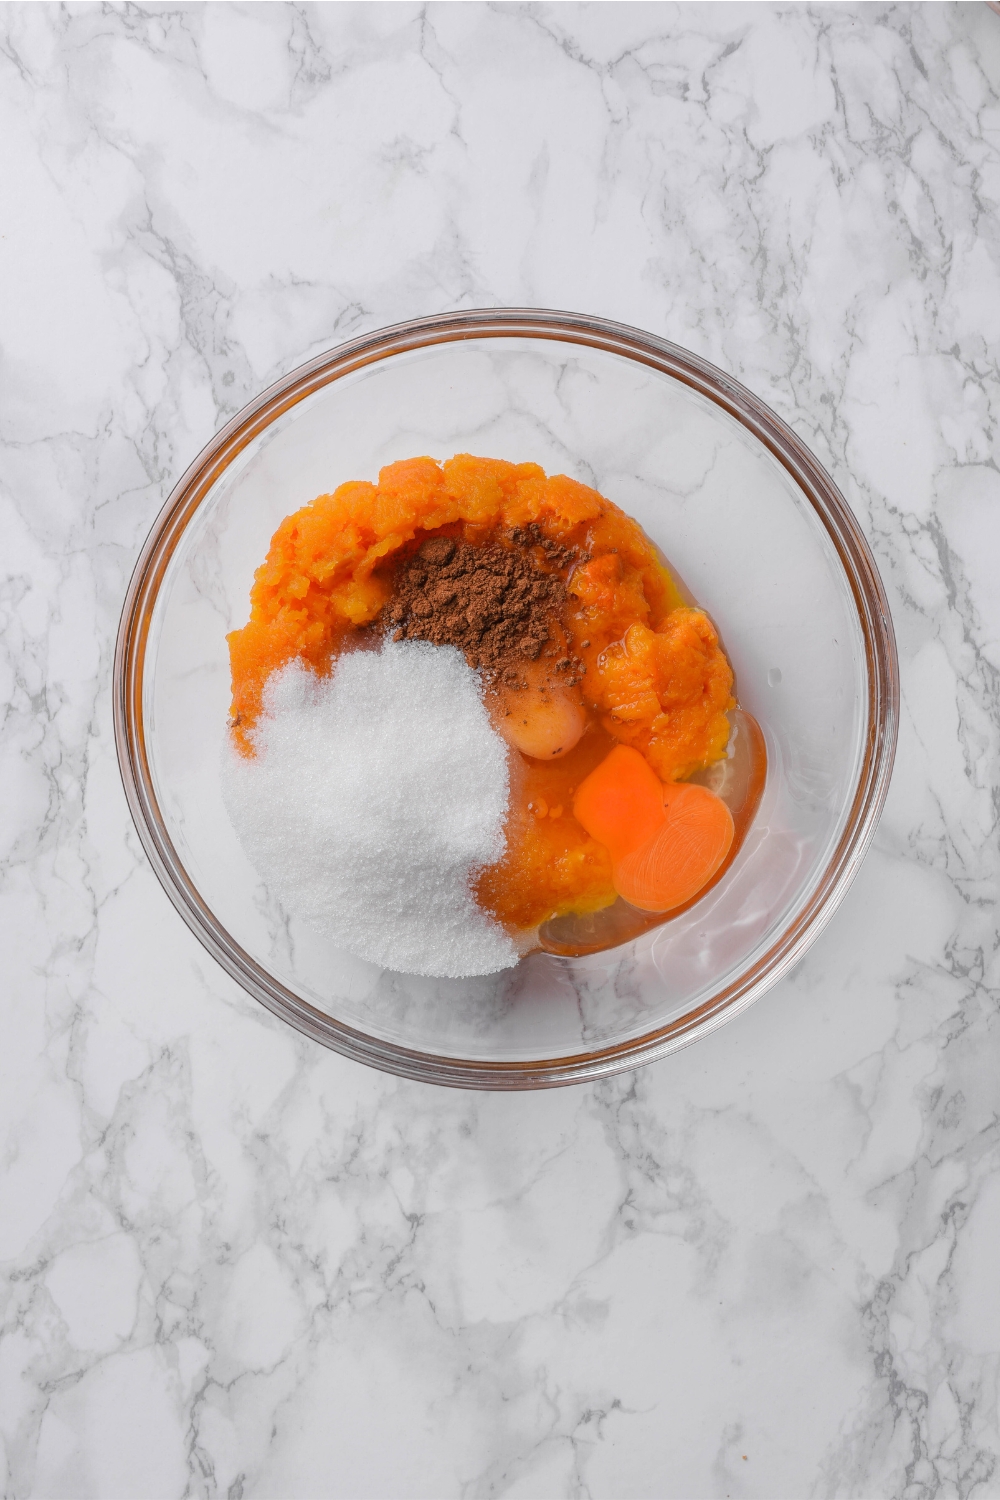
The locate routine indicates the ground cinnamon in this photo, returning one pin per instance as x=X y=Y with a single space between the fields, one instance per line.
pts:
x=499 y=603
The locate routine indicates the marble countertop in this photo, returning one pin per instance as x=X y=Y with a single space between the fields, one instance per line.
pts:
x=233 y=1264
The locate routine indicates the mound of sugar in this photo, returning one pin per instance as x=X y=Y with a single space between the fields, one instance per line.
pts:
x=374 y=796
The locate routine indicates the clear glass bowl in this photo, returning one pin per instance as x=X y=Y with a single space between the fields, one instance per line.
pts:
x=756 y=529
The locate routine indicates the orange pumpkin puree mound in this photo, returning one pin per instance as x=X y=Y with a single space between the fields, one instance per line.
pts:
x=656 y=677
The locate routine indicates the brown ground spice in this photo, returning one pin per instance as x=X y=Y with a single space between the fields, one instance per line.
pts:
x=499 y=603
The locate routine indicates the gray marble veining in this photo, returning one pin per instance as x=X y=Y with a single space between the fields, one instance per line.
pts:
x=235 y=1265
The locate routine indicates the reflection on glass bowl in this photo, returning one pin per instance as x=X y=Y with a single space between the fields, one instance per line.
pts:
x=756 y=529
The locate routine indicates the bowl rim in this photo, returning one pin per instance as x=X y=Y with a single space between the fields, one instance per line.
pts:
x=722 y=390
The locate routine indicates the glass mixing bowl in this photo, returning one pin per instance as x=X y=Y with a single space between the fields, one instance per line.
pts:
x=754 y=526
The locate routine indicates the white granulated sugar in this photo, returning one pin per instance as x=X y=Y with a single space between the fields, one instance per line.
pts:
x=374 y=797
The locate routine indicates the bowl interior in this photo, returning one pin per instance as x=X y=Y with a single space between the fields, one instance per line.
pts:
x=740 y=533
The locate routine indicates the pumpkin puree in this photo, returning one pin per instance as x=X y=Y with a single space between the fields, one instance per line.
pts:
x=656 y=676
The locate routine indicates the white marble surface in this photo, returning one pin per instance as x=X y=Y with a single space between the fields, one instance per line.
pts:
x=235 y=1265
